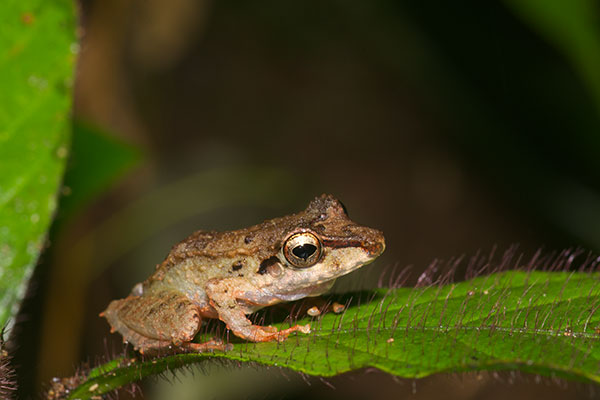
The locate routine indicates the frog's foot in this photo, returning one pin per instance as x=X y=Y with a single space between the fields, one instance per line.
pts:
x=165 y=320
x=258 y=333
x=211 y=345
x=224 y=296
x=283 y=334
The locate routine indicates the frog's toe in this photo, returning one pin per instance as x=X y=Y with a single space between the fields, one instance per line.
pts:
x=211 y=345
x=283 y=334
x=270 y=329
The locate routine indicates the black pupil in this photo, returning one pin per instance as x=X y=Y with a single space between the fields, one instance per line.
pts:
x=304 y=251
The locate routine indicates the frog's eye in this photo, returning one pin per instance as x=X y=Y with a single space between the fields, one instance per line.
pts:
x=302 y=250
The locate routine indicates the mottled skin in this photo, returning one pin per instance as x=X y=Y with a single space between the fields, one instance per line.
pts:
x=228 y=275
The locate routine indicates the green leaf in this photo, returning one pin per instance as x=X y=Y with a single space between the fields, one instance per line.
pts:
x=36 y=60
x=540 y=322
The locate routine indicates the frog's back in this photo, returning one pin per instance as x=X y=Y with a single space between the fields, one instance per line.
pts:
x=204 y=247
x=261 y=240
x=206 y=255
x=210 y=254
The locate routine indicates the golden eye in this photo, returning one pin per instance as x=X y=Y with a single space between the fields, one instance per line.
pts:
x=302 y=250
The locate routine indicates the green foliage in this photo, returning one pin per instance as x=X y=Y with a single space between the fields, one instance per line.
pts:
x=540 y=322
x=37 y=39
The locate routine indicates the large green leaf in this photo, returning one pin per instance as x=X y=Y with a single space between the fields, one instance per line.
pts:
x=540 y=322
x=37 y=43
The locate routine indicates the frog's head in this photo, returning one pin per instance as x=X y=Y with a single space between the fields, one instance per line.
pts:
x=324 y=245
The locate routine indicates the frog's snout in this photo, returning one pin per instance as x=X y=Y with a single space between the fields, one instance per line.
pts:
x=375 y=246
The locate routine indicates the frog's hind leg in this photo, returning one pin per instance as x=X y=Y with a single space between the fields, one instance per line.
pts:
x=158 y=321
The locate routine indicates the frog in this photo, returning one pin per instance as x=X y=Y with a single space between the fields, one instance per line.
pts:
x=230 y=274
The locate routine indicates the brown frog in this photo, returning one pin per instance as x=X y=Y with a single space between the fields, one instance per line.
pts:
x=227 y=275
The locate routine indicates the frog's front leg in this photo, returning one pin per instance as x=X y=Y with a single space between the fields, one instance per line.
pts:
x=158 y=321
x=224 y=294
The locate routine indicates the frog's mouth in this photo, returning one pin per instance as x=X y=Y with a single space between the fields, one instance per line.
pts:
x=296 y=284
x=307 y=291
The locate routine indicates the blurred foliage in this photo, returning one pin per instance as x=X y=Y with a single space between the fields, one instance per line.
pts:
x=37 y=44
x=541 y=322
x=528 y=123
x=570 y=199
x=525 y=115
x=97 y=160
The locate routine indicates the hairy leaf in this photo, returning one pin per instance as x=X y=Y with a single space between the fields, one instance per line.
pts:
x=37 y=40
x=540 y=322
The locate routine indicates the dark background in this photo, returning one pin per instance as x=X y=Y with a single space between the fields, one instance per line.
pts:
x=454 y=127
